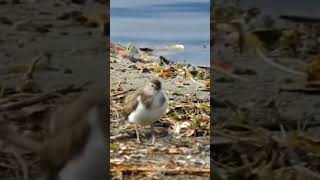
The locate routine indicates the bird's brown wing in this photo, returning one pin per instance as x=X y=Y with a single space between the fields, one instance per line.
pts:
x=146 y=100
x=64 y=146
x=72 y=113
x=71 y=129
x=132 y=102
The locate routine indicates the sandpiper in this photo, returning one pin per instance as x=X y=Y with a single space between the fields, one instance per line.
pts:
x=145 y=106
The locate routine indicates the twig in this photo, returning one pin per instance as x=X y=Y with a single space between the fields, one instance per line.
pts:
x=216 y=68
x=197 y=82
x=186 y=71
x=120 y=93
x=300 y=19
x=301 y=90
x=13 y=97
x=22 y=163
x=119 y=136
x=313 y=84
x=2 y=90
x=278 y=66
x=32 y=67
x=307 y=173
x=156 y=168
x=10 y=76
x=41 y=97
x=162 y=60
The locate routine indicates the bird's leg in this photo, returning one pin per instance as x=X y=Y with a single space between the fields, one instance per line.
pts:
x=153 y=134
x=137 y=134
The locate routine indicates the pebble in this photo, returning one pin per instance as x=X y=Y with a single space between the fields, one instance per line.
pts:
x=6 y=21
x=79 y=1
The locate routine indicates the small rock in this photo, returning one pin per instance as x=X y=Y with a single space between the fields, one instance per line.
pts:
x=75 y=14
x=6 y=21
x=67 y=71
x=79 y=17
x=20 y=44
x=93 y=24
x=164 y=60
x=224 y=80
x=45 y=13
x=42 y=29
x=64 y=33
x=240 y=71
x=33 y=39
x=145 y=70
x=7 y=54
x=197 y=162
x=64 y=16
x=133 y=67
x=79 y=1
x=288 y=80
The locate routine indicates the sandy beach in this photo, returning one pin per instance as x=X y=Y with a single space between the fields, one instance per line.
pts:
x=175 y=155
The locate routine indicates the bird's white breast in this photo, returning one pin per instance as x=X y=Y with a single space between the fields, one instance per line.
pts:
x=142 y=115
x=91 y=162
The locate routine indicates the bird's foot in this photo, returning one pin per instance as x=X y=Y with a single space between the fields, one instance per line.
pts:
x=139 y=141
x=152 y=143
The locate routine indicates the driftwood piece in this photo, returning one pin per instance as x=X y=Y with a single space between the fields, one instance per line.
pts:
x=41 y=97
x=300 y=19
x=131 y=168
x=301 y=90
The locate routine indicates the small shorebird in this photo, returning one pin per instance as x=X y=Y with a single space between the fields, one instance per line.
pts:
x=145 y=106
x=76 y=147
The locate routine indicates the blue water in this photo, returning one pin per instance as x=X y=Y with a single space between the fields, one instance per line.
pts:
x=156 y=23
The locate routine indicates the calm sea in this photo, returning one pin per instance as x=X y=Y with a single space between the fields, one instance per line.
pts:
x=156 y=23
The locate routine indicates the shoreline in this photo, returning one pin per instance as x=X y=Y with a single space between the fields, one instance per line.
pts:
x=174 y=55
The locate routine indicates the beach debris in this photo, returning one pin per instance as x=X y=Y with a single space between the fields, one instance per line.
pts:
x=165 y=73
x=300 y=19
x=241 y=71
x=278 y=66
x=146 y=50
x=79 y=1
x=164 y=61
x=176 y=47
x=119 y=167
x=313 y=69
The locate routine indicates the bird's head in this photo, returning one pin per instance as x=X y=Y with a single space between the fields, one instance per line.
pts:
x=153 y=86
